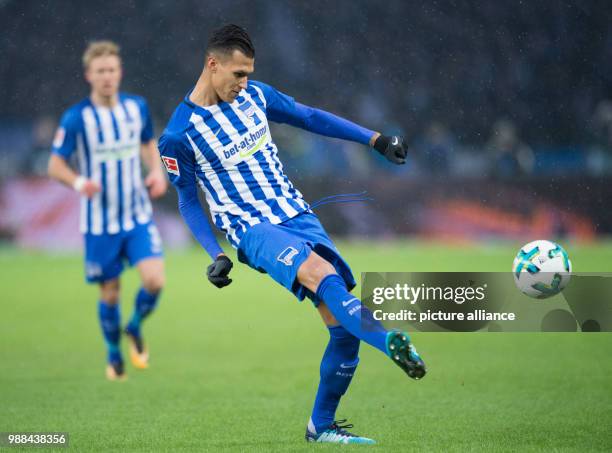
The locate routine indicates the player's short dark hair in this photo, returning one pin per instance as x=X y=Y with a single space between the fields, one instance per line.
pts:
x=228 y=38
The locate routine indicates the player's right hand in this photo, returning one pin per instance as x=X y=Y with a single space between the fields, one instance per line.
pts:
x=394 y=148
x=156 y=183
x=90 y=188
x=86 y=187
x=218 y=271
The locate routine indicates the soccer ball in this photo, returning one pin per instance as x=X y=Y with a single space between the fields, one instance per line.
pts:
x=541 y=269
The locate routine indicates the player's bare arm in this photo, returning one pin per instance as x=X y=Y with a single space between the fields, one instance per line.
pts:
x=59 y=170
x=156 y=179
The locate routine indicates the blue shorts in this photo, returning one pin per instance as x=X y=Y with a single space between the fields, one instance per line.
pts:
x=280 y=250
x=105 y=253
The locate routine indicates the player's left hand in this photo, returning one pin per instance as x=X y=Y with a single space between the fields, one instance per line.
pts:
x=156 y=183
x=218 y=271
x=393 y=148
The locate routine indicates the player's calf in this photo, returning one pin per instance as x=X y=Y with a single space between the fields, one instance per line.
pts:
x=144 y=305
x=338 y=367
x=110 y=323
x=350 y=313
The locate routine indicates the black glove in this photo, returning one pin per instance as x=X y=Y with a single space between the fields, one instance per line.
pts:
x=393 y=148
x=218 y=271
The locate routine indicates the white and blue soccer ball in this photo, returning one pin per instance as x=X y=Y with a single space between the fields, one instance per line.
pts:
x=541 y=269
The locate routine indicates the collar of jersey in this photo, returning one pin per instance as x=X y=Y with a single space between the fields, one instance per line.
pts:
x=193 y=105
x=120 y=99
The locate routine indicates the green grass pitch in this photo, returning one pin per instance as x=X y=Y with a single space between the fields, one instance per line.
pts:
x=237 y=369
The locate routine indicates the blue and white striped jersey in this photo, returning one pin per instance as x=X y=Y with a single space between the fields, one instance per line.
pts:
x=107 y=141
x=227 y=149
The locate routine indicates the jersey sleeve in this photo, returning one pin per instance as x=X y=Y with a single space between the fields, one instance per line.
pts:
x=178 y=160
x=282 y=108
x=180 y=164
x=65 y=140
x=147 y=122
x=279 y=106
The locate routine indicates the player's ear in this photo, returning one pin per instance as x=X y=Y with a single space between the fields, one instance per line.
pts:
x=211 y=63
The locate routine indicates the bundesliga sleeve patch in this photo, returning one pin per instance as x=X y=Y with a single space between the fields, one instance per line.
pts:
x=171 y=165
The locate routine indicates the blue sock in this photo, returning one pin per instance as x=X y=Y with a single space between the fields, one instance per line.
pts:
x=110 y=321
x=145 y=303
x=349 y=312
x=337 y=369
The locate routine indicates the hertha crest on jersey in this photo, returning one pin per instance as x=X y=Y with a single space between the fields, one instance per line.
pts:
x=249 y=111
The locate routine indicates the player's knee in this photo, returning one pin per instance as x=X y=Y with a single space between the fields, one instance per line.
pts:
x=313 y=270
x=328 y=318
x=109 y=292
x=110 y=297
x=154 y=283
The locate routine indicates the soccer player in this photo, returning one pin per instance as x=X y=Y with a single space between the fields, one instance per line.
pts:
x=219 y=138
x=111 y=131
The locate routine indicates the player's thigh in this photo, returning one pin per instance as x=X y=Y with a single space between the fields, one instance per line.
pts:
x=152 y=273
x=313 y=270
x=109 y=291
x=325 y=253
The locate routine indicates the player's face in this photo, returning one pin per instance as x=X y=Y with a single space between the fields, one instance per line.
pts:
x=230 y=74
x=104 y=75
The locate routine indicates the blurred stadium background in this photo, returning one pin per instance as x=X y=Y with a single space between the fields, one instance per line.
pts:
x=508 y=110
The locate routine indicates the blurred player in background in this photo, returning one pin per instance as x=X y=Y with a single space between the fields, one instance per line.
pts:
x=219 y=138
x=110 y=132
